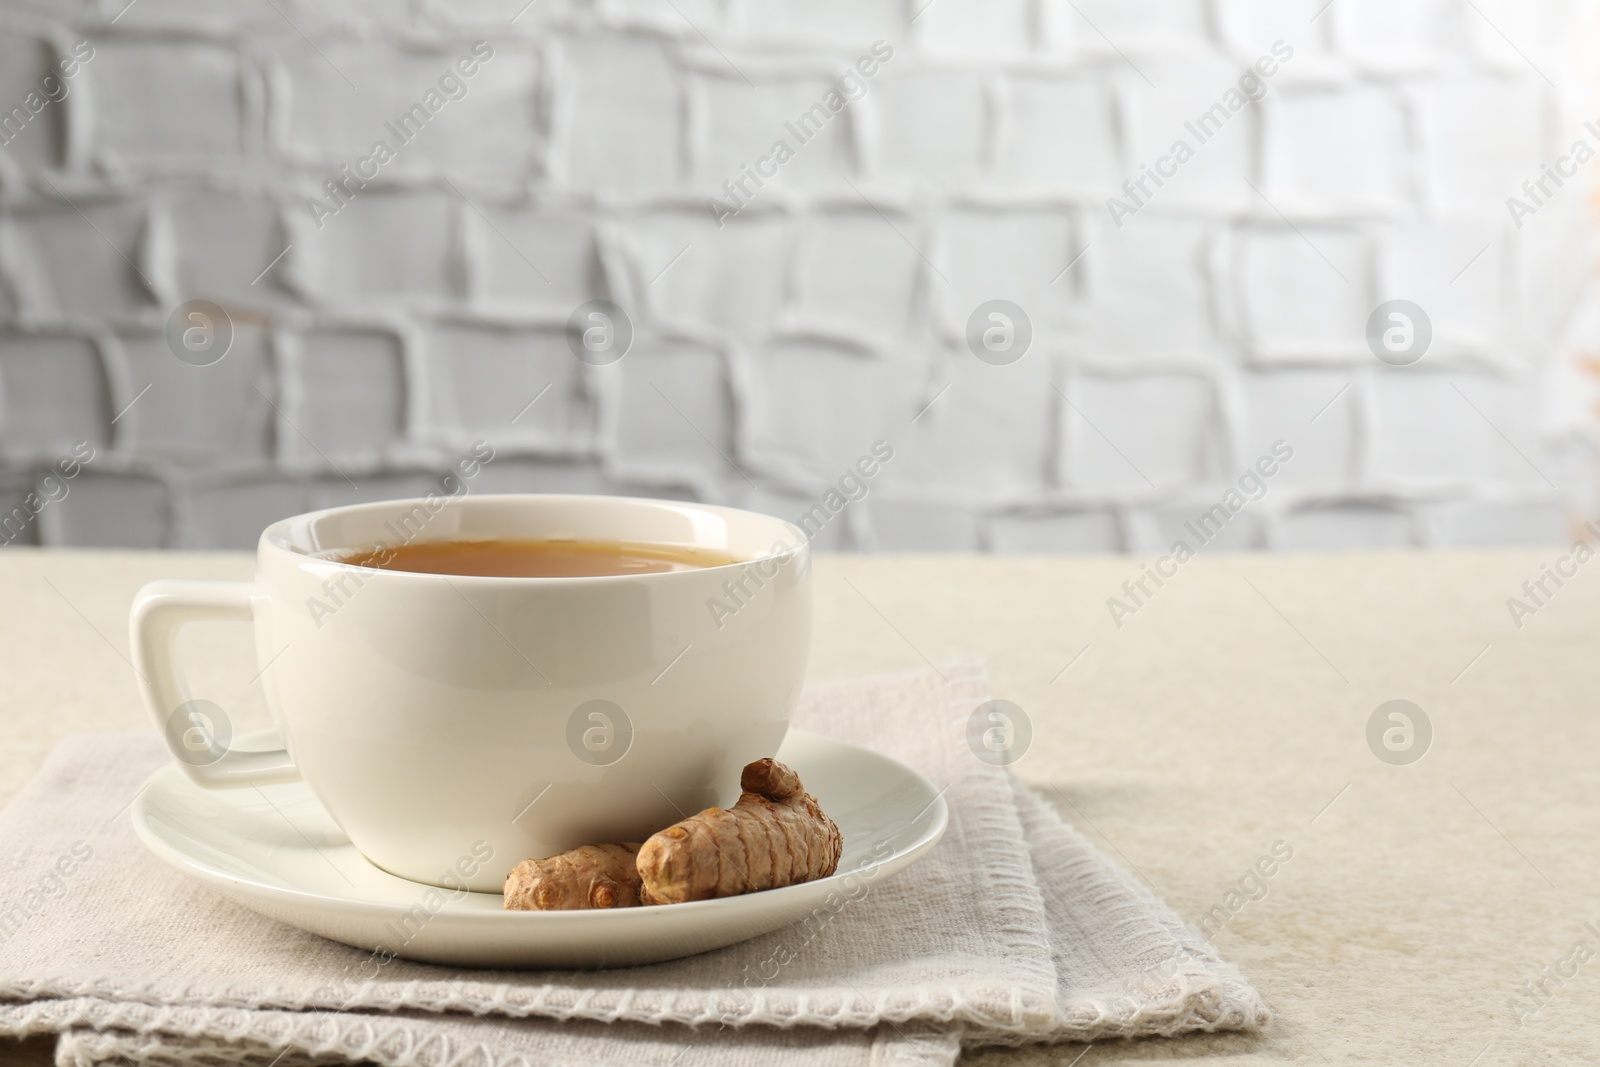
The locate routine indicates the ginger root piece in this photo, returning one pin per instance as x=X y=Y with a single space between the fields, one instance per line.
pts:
x=593 y=876
x=775 y=835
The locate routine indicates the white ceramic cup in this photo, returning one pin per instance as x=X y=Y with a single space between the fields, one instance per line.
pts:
x=442 y=718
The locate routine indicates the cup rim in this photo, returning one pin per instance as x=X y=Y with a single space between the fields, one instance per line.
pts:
x=274 y=540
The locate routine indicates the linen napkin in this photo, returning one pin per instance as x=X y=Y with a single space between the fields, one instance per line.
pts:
x=1013 y=930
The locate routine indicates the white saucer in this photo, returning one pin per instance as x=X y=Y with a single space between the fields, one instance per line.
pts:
x=276 y=851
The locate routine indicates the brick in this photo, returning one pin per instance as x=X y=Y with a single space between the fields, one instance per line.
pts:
x=539 y=256
x=1485 y=137
x=922 y=526
x=385 y=244
x=626 y=123
x=120 y=510
x=731 y=279
x=763 y=311
x=1016 y=255
x=1347 y=528
x=54 y=393
x=856 y=23
x=223 y=241
x=989 y=436
x=1176 y=108
x=1513 y=34
x=1070 y=531
x=744 y=126
x=854 y=274
x=70 y=8
x=1088 y=25
x=369 y=15
x=1280 y=405
x=1151 y=290
x=1342 y=149
x=1061 y=135
x=1112 y=443
x=931 y=125
x=351 y=397
x=483 y=378
x=999 y=28
x=1554 y=269
x=33 y=130
x=1381 y=35
x=86 y=263
x=836 y=535
x=679 y=16
x=10 y=298
x=1437 y=428
x=395 y=485
x=1193 y=522
x=19 y=524
x=332 y=124
x=519 y=474
x=258 y=18
x=189 y=104
x=1503 y=524
x=499 y=15
x=823 y=407
x=1455 y=271
x=1304 y=294
x=673 y=410
x=200 y=416
x=1250 y=27
x=231 y=515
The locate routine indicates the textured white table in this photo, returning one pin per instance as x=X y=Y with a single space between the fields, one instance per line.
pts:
x=1228 y=714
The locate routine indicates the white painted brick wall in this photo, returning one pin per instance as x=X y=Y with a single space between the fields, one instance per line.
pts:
x=1168 y=352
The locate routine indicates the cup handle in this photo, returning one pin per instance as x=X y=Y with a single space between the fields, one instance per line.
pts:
x=160 y=609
